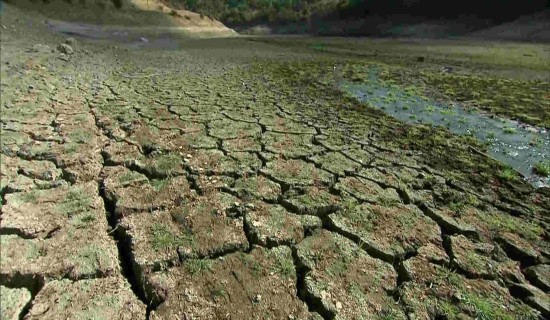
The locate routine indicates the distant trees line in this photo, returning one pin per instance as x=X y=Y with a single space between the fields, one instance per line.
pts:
x=243 y=11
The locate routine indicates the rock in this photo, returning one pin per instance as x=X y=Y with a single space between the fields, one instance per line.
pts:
x=533 y=297
x=143 y=39
x=65 y=48
x=519 y=249
x=70 y=41
x=539 y=276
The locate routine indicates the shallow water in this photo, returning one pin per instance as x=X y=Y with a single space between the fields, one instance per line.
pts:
x=510 y=142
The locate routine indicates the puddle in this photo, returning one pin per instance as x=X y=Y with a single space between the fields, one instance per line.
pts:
x=510 y=142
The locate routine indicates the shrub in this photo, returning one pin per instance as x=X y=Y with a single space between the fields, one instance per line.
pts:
x=117 y=3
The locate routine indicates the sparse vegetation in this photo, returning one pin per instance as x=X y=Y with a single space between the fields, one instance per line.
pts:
x=508 y=173
x=163 y=238
x=198 y=266
x=543 y=168
x=284 y=267
x=75 y=202
x=167 y=164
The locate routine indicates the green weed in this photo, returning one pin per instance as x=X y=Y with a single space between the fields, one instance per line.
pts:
x=75 y=202
x=129 y=176
x=80 y=136
x=284 y=267
x=164 y=238
x=29 y=197
x=508 y=174
x=543 y=168
x=167 y=164
x=196 y=267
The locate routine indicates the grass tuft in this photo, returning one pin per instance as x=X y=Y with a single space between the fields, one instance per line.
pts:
x=197 y=267
x=163 y=238
x=543 y=168
x=508 y=174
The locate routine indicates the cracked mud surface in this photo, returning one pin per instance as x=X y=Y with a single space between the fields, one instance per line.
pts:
x=203 y=184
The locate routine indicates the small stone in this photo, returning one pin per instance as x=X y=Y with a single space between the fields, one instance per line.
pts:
x=447 y=69
x=236 y=204
x=188 y=156
x=65 y=48
x=143 y=39
x=258 y=298
x=338 y=305
x=250 y=205
x=70 y=41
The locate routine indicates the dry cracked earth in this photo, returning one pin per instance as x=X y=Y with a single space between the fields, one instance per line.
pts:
x=179 y=185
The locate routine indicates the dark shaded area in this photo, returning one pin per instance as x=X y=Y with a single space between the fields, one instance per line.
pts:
x=366 y=17
x=117 y=3
x=497 y=10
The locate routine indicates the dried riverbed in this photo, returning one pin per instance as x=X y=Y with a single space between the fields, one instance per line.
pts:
x=229 y=178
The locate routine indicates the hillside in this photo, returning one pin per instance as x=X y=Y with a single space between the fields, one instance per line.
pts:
x=417 y=18
x=128 y=13
x=535 y=27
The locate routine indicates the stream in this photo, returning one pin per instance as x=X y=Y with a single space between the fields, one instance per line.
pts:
x=511 y=142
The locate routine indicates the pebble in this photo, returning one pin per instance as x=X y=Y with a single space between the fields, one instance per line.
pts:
x=338 y=305
x=70 y=41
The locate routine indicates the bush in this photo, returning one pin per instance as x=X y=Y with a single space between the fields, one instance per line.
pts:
x=117 y=3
